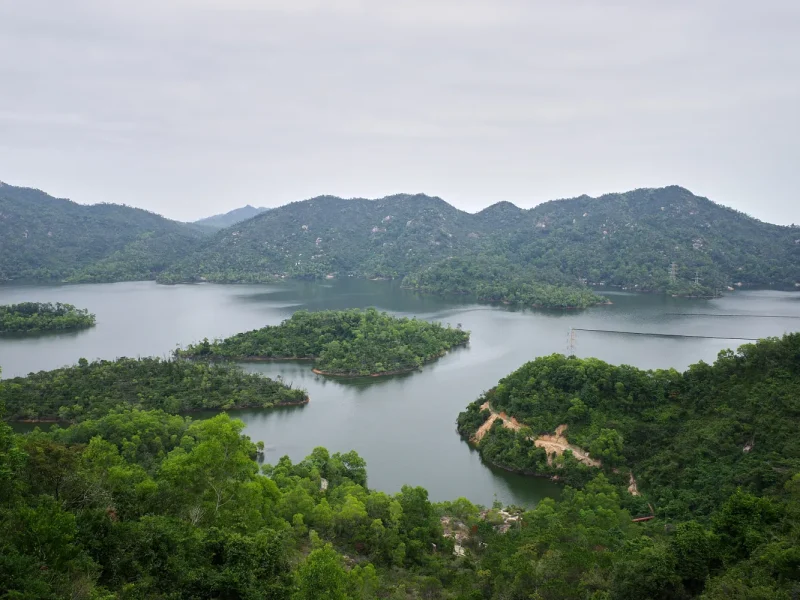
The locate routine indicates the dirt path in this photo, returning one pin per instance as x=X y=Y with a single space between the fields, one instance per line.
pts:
x=633 y=488
x=552 y=444
x=509 y=422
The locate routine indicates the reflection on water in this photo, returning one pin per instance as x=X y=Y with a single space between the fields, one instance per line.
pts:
x=404 y=426
x=32 y=335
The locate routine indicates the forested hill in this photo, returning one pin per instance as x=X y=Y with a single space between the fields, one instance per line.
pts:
x=628 y=239
x=692 y=439
x=237 y=215
x=131 y=502
x=341 y=342
x=47 y=238
x=632 y=238
x=312 y=238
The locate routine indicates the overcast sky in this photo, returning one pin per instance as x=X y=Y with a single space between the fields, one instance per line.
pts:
x=194 y=107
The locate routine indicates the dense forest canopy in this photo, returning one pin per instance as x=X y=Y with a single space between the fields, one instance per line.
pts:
x=89 y=390
x=629 y=240
x=691 y=439
x=45 y=238
x=32 y=317
x=143 y=504
x=341 y=342
x=498 y=281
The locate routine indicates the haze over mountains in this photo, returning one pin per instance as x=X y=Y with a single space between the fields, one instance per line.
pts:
x=629 y=239
x=237 y=215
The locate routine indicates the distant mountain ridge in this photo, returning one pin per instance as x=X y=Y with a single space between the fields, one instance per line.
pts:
x=629 y=239
x=237 y=215
x=324 y=235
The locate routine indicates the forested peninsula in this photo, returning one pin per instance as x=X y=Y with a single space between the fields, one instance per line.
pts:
x=340 y=342
x=142 y=504
x=690 y=439
x=91 y=389
x=37 y=317
x=494 y=281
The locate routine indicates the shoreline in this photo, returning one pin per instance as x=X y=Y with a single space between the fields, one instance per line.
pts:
x=523 y=472
x=246 y=359
x=256 y=359
x=354 y=376
x=270 y=358
x=58 y=282
x=544 y=307
x=34 y=332
x=55 y=420
x=395 y=372
x=607 y=302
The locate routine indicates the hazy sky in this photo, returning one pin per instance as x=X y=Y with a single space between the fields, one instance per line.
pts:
x=193 y=107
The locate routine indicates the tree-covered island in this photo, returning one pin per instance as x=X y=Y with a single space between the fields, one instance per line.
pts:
x=90 y=390
x=36 y=317
x=340 y=342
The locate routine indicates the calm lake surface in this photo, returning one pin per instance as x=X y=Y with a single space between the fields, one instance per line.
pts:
x=403 y=426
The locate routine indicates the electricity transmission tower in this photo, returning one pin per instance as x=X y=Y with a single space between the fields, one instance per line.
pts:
x=572 y=341
x=673 y=272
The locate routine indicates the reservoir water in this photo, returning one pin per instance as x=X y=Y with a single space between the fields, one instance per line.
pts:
x=403 y=426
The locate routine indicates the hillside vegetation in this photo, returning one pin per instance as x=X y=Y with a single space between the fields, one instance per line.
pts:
x=631 y=239
x=35 y=317
x=143 y=504
x=325 y=235
x=627 y=240
x=45 y=238
x=344 y=342
x=691 y=439
x=499 y=281
x=90 y=390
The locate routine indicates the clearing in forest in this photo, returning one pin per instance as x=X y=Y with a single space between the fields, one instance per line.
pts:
x=552 y=443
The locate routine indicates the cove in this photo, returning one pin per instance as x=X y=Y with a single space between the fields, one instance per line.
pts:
x=404 y=426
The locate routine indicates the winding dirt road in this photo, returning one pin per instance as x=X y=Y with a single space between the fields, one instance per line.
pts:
x=552 y=444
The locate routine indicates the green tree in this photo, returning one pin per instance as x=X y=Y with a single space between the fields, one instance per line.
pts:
x=322 y=576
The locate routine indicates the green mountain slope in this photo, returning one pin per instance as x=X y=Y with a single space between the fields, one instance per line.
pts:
x=44 y=238
x=628 y=240
x=237 y=215
x=631 y=239
x=313 y=238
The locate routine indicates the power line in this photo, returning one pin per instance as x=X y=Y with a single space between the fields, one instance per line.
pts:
x=668 y=335
x=734 y=315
